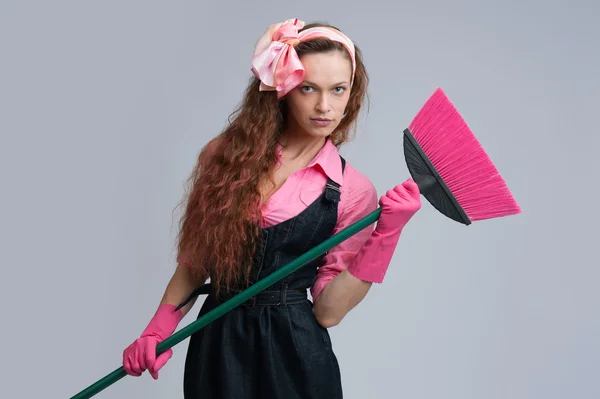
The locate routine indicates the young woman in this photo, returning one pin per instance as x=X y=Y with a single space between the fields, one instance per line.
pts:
x=271 y=186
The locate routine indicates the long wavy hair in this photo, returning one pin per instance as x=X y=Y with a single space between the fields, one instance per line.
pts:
x=220 y=228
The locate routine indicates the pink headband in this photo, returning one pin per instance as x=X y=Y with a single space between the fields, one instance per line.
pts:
x=275 y=61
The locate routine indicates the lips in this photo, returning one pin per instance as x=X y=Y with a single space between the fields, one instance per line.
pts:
x=321 y=121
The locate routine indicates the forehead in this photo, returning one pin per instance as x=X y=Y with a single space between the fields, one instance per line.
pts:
x=327 y=68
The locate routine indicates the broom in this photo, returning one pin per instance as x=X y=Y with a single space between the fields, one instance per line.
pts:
x=453 y=173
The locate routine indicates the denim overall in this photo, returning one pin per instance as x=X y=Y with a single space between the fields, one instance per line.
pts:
x=271 y=346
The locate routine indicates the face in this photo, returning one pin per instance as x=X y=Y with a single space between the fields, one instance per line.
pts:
x=317 y=105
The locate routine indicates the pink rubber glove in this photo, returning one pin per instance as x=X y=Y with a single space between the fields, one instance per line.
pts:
x=141 y=354
x=398 y=207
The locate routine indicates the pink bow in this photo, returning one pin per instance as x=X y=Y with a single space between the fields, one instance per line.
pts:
x=275 y=61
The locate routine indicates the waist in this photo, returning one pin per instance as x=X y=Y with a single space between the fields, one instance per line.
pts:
x=280 y=297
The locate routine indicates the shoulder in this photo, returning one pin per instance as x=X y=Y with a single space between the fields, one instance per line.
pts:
x=210 y=150
x=358 y=188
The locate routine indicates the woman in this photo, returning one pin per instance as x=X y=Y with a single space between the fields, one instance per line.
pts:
x=271 y=186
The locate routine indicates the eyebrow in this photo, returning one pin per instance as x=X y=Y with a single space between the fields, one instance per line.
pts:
x=308 y=82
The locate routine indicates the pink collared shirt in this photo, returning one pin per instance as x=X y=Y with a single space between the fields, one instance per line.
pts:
x=358 y=199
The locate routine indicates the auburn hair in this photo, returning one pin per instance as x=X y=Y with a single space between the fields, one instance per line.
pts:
x=221 y=226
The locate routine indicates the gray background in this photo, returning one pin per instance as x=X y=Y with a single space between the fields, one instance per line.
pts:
x=104 y=106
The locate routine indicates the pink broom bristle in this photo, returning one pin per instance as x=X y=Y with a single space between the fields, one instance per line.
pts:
x=461 y=161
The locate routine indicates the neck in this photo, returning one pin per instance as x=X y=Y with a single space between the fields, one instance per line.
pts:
x=298 y=148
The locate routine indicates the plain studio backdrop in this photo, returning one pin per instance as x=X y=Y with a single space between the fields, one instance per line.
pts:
x=104 y=107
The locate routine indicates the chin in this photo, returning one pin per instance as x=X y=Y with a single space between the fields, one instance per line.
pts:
x=320 y=133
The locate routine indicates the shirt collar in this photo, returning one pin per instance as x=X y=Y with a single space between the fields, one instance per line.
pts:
x=328 y=159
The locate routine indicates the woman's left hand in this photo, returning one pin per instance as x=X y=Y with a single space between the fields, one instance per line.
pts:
x=398 y=206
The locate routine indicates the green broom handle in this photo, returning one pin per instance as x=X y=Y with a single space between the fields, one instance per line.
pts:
x=237 y=300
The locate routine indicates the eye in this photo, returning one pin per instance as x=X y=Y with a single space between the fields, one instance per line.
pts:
x=306 y=89
x=339 y=89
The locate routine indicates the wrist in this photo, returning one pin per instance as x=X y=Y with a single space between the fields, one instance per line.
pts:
x=374 y=257
x=384 y=230
x=164 y=322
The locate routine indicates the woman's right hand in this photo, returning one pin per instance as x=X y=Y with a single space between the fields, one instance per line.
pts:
x=141 y=354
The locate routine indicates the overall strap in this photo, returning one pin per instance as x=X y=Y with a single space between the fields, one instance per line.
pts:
x=332 y=189
x=204 y=289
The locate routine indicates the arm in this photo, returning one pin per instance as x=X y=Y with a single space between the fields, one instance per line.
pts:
x=181 y=284
x=338 y=298
x=179 y=287
x=337 y=291
x=369 y=264
x=141 y=354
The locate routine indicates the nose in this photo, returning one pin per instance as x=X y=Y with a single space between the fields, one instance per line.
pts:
x=323 y=104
